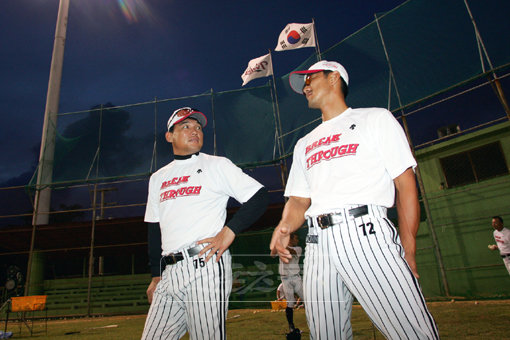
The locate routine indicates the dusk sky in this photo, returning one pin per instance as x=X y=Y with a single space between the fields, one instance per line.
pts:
x=125 y=52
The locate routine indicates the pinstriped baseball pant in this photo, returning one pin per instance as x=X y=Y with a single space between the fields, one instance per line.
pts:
x=363 y=257
x=292 y=285
x=506 y=261
x=191 y=298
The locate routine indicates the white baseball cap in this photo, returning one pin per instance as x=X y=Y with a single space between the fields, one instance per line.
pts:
x=297 y=78
x=184 y=112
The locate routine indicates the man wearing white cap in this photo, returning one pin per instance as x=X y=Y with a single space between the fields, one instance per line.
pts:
x=186 y=211
x=343 y=179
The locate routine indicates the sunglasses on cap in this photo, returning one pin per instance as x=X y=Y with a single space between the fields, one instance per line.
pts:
x=185 y=110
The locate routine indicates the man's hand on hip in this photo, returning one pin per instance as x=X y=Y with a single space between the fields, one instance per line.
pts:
x=217 y=244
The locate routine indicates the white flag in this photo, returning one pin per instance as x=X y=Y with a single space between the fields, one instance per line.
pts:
x=257 y=68
x=296 y=36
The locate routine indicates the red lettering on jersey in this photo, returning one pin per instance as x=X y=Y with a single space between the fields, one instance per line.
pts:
x=181 y=192
x=352 y=148
x=334 y=152
x=323 y=141
x=174 y=181
x=341 y=150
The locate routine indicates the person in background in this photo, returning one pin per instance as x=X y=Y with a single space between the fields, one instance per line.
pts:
x=502 y=238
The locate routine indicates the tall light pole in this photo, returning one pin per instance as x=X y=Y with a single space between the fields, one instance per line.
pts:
x=46 y=156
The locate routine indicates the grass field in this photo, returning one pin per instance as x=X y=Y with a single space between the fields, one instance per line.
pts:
x=456 y=320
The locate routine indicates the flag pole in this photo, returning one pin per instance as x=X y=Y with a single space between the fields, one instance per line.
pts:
x=283 y=162
x=317 y=48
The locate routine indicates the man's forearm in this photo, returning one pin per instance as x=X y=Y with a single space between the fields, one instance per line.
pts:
x=408 y=221
x=408 y=209
x=250 y=211
x=293 y=215
x=154 y=248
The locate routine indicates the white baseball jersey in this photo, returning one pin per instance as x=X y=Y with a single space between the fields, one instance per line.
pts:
x=350 y=159
x=502 y=239
x=344 y=163
x=189 y=198
x=291 y=268
x=291 y=278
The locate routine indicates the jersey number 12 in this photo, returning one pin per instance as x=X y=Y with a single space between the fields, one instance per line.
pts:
x=368 y=226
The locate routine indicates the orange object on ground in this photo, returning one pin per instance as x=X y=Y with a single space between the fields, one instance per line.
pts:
x=28 y=303
x=278 y=305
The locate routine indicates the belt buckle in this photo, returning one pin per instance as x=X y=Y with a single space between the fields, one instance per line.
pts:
x=171 y=258
x=324 y=221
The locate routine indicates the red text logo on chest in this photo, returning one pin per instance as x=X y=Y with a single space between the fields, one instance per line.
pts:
x=334 y=152
x=182 y=192
x=323 y=141
x=174 y=181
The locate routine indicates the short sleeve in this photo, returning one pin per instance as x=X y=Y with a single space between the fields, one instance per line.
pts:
x=297 y=184
x=152 y=208
x=391 y=143
x=235 y=183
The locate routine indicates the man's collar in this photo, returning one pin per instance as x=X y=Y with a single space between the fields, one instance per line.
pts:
x=181 y=157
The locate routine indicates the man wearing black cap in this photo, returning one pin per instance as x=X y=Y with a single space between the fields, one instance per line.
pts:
x=186 y=212
x=343 y=178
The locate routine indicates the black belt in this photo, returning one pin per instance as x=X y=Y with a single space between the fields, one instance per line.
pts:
x=327 y=220
x=176 y=257
x=505 y=255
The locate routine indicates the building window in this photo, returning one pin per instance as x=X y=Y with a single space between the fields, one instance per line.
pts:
x=474 y=165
